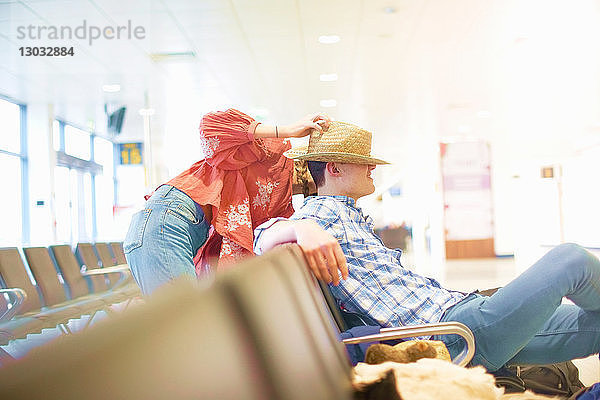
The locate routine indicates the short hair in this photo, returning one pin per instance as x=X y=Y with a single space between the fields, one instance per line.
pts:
x=317 y=171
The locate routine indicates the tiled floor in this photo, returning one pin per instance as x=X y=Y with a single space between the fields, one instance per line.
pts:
x=468 y=275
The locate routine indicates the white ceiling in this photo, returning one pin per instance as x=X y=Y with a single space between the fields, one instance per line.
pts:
x=522 y=74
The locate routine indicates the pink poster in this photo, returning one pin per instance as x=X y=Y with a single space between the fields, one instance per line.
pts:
x=467 y=190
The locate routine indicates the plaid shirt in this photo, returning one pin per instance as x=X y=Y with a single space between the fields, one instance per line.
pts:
x=377 y=285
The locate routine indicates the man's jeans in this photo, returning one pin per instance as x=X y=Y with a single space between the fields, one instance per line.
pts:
x=525 y=322
x=164 y=237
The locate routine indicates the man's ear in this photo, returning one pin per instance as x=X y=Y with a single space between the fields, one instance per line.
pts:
x=332 y=169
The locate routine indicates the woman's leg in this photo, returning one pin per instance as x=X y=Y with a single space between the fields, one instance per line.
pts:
x=505 y=323
x=164 y=237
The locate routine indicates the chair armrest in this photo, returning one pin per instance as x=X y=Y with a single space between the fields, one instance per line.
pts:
x=19 y=296
x=121 y=269
x=441 y=328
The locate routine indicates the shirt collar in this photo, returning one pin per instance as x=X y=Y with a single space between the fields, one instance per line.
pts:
x=349 y=201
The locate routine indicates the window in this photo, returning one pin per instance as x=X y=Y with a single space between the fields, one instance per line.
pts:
x=10 y=117
x=84 y=183
x=105 y=188
x=77 y=142
x=62 y=204
x=87 y=219
x=11 y=201
x=13 y=164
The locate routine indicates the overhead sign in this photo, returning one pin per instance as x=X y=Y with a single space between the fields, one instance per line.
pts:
x=130 y=153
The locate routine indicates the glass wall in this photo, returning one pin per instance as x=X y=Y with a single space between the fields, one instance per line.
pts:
x=84 y=185
x=11 y=201
x=10 y=115
x=12 y=161
x=105 y=189
x=77 y=142
x=63 y=205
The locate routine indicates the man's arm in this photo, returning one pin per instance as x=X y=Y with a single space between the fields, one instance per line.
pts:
x=321 y=249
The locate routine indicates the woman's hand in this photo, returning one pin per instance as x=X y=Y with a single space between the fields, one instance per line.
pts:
x=322 y=251
x=303 y=127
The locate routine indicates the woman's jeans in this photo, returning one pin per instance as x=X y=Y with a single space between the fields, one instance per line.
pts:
x=525 y=322
x=164 y=237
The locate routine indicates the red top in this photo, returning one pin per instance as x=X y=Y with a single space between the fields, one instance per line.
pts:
x=247 y=181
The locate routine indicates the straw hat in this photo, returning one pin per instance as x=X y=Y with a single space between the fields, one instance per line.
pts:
x=342 y=142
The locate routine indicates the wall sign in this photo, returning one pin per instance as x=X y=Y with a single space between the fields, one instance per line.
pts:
x=130 y=153
x=468 y=212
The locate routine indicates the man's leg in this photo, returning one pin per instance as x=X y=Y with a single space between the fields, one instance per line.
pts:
x=570 y=333
x=508 y=321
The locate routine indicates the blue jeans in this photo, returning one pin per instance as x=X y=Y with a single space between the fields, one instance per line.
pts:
x=525 y=322
x=164 y=237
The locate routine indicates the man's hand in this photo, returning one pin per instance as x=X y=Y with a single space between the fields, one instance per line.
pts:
x=322 y=251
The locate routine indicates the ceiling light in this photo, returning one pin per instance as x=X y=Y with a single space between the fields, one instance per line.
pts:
x=329 y=39
x=146 y=111
x=389 y=10
x=484 y=114
x=111 y=88
x=328 y=103
x=328 y=77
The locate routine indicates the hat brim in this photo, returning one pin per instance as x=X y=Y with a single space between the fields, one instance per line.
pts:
x=300 y=153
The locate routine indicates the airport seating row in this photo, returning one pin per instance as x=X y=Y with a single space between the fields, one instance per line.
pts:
x=260 y=330
x=62 y=291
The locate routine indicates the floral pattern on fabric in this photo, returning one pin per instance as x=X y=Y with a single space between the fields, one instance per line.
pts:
x=209 y=146
x=263 y=197
x=230 y=249
x=237 y=216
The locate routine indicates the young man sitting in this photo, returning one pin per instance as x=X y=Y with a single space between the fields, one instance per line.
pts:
x=523 y=322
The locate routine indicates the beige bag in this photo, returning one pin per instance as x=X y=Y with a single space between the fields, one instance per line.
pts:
x=434 y=379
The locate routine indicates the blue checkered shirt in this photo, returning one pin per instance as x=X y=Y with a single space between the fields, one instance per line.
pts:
x=377 y=284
